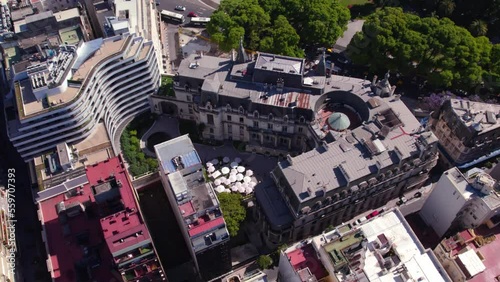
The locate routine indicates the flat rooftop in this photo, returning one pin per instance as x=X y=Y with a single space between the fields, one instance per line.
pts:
x=90 y=54
x=480 y=117
x=71 y=220
x=306 y=262
x=421 y=264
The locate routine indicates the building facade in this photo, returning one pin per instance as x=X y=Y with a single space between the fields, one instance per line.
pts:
x=368 y=147
x=467 y=131
x=381 y=249
x=195 y=206
x=472 y=199
x=62 y=98
x=93 y=229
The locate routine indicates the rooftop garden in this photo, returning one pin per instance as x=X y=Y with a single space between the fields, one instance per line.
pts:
x=130 y=144
x=167 y=86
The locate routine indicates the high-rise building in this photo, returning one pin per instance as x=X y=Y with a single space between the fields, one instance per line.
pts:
x=64 y=92
x=382 y=249
x=93 y=229
x=195 y=206
x=462 y=201
x=468 y=131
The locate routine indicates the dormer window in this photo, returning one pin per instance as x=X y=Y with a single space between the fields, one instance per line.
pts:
x=256 y=114
x=285 y=118
x=302 y=119
x=271 y=117
x=228 y=107
x=209 y=105
x=241 y=110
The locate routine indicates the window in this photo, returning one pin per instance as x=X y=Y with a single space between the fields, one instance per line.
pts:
x=228 y=108
x=210 y=119
x=255 y=136
x=285 y=118
x=283 y=141
x=270 y=126
x=284 y=128
x=229 y=129
x=302 y=119
x=190 y=111
x=300 y=129
x=188 y=98
x=241 y=110
x=256 y=114
x=271 y=117
x=256 y=124
x=211 y=130
x=228 y=118
x=242 y=120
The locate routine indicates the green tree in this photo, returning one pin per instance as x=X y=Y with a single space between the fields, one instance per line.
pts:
x=283 y=39
x=264 y=262
x=478 y=28
x=448 y=55
x=233 y=211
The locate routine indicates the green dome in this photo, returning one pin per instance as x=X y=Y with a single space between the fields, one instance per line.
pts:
x=339 y=121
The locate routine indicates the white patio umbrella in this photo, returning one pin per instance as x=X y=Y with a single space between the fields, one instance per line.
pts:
x=234 y=165
x=239 y=177
x=238 y=160
x=227 y=191
x=249 y=172
x=233 y=171
x=217 y=182
x=240 y=169
x=226 y=160
x=216 y=174
x=220 y=189
x=252 y=184
x=211 y=169
x=225 y=170
x=227 y=182
x=214 y=161
x=232 y=178
x=234 y=189
x=222 y=179
x=249 y=190
x=247 y=179
x=241 y=189
x=209 y=164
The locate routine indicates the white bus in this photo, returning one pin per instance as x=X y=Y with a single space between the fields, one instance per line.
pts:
x=172 y=16
x=200 y=21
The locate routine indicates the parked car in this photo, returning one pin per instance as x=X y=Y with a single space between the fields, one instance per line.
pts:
x=373 y=214
x=361 y=220
x=192 y=15
x=180 y=8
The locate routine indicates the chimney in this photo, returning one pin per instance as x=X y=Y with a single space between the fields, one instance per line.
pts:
x=374 y=81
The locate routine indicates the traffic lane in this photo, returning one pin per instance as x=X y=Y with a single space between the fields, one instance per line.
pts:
x=200 y=8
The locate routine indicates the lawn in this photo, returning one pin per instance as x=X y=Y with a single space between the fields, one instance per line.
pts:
x=354 y=2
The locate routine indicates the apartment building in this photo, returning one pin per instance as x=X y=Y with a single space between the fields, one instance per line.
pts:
x=467 y=131
x=62 y=95
x=93 y=229
x=472 y=199
x=195 y=206
x=471 y=255
x=382 y=249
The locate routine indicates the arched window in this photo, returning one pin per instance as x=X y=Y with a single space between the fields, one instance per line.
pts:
x=285 y=118
x=228 y=108
x=241 y=110
x=271 y=117
x=256 y=114
x=302 y=119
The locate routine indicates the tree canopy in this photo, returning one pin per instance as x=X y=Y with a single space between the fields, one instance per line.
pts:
x=233 y=210
x=446 y=54
x=266 y=25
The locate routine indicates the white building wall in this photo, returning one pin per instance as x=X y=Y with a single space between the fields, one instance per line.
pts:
x=442 y=205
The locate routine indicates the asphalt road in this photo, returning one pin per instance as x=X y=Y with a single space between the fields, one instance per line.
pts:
x=203 y=8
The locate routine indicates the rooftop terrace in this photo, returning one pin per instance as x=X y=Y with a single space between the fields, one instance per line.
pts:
x=480 y=117
x=74 y=228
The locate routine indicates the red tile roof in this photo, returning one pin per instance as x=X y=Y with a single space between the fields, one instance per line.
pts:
x=66 y=251
x=306 y=257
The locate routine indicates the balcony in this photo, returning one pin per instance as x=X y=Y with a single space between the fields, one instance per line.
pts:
x=134 y=254
x=150 y=270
